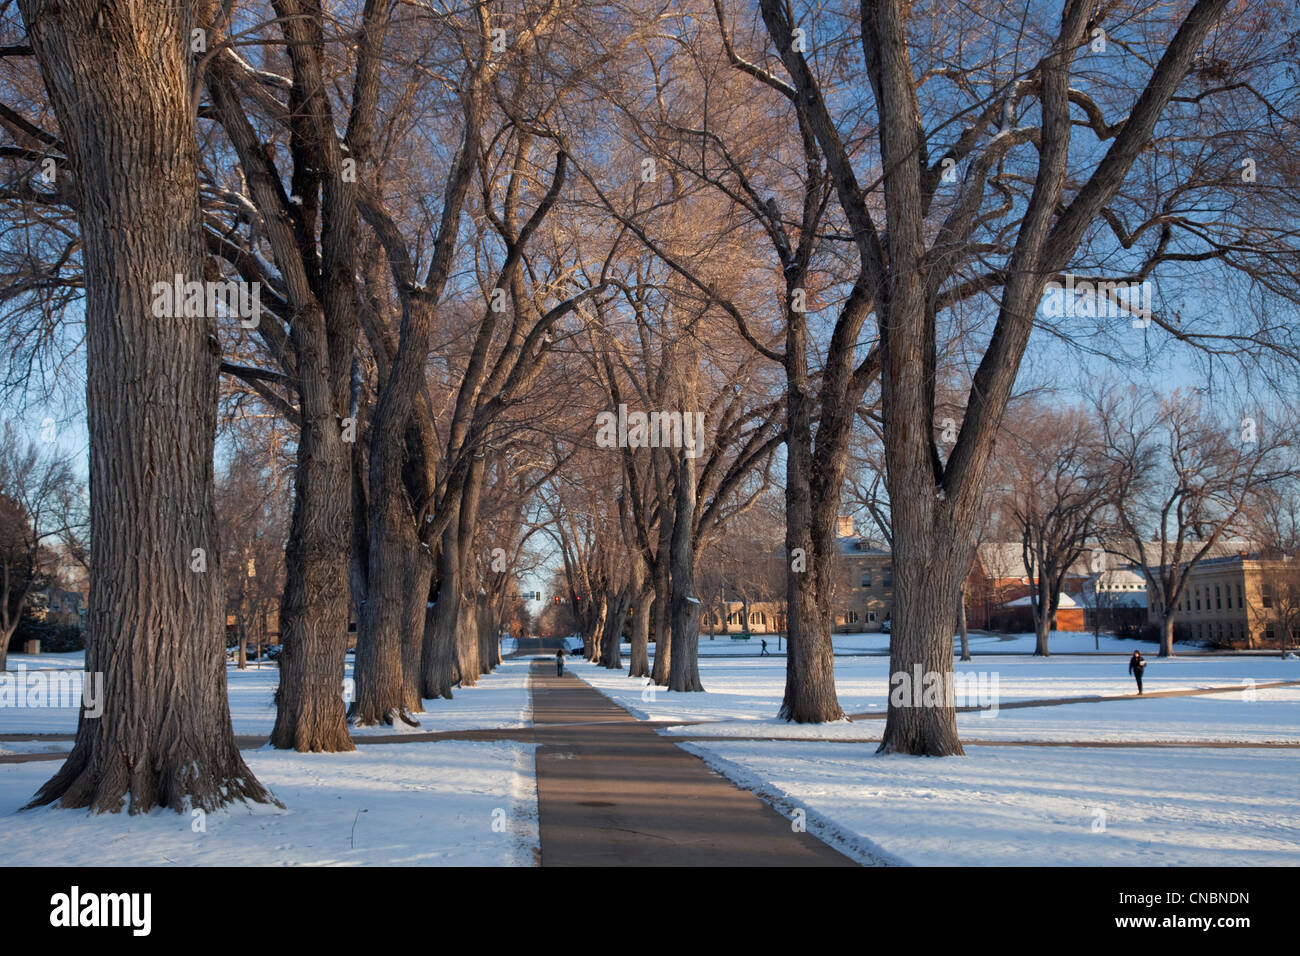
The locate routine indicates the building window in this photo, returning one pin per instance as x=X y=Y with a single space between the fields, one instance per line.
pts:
x=866 y=579
x=850 y=617
x=887 y=577
x=871 y=617
x=1198 y=599
x=1218 y=599
x=1266 y=594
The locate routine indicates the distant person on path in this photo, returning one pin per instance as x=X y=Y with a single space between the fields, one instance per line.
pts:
x=763 y=652
x=559 y=664
x=1136 y=665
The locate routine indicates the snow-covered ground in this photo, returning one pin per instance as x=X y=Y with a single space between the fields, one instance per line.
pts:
x=456 y=803
x=746 y=693
x=1035 y=806
x=1023 y=798
x=449 y=803
x=499 y=700
x=1017 y=804
x=875 y=642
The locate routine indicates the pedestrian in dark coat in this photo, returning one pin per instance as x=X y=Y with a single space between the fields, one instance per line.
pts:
x=559 y=663
x=1136 y=665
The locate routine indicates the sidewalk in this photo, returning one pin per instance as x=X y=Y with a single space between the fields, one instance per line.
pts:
x=612 y=792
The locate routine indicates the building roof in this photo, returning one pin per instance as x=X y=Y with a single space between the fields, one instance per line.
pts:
x=855 y=545
x=1006 y=559
x=1065 y=602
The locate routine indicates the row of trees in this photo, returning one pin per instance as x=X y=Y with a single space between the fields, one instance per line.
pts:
x=471 y=228
x=1136 y=479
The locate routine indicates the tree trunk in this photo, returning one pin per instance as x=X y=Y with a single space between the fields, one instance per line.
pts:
x=310 y=713
x=439 y=658
x=611 y=656
x=489 y=645
x=156 y=618
x=1044 y=615
x=927 y=575
x=811 y=553
x=663 y=599
x=1167 y=636
x=418 y=577
x=467 y=639
x=380 y=685
x=684 y=669
x=640 y=654
x=466 y=522
x=596 y=627
x=961 y=623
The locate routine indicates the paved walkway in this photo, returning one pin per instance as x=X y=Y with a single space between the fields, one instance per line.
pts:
x=610 y=791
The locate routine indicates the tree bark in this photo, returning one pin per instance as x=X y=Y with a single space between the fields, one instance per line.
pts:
x=310 y=713
x=596 y=627
x=1167 y=636
x=663 y=595
x=811 y=555
x=156 y=622
x=1044 y=616
x=381 y=689
x=684 y=668
x=611 y=655
x=639 y=665
x=439 y=659
x=418 y=576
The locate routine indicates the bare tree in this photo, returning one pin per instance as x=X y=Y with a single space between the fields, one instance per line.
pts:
x=126 y=118
x=1032 y=178
x=1182 y=480
x=1057 y=486
x=39 y=497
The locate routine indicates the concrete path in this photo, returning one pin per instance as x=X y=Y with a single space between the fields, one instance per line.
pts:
x=612 y=792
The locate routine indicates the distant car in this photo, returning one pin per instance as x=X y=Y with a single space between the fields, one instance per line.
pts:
x=274 y=651
x=885 y=626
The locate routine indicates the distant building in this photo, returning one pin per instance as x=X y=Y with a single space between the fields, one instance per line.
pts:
x=1243 y=600
x=1113 y=600
x=997 y=592
x=1018 y=615
x=864 y=596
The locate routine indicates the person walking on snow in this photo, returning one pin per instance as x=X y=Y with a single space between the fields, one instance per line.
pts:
x=1136 y=665
x=559 y=662
x=763 y=652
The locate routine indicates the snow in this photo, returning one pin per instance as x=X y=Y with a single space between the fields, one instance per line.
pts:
x=1161 y=793
x=746 y=693
x=1003 y=806
x=408 y=805
x=1022 y=799
x=500 y=700
x=453 y=803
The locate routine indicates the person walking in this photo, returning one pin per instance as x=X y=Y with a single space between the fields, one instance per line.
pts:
x=1136 y=665
x=763 y=652
x=559 y=662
